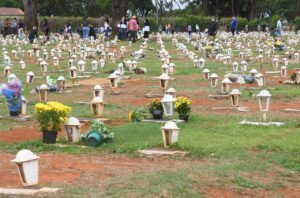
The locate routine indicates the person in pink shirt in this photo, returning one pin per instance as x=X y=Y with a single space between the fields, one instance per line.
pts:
x=132 y=28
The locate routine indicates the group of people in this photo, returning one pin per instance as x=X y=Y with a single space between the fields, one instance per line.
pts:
x=127 y=28
x=130 y=28
x=16 y=27
x=12 y=26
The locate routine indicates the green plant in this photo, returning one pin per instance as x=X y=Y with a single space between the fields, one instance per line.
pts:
x=154 y=104
x=137 y=115
x=293 y=76
x=51 y=115
x=100 y=127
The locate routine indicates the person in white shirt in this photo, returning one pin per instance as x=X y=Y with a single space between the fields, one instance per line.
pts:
x=122 y=29
x=197 y=28
x=279 y=27
x=107 y=28
x=146 y=29
x=190 y=29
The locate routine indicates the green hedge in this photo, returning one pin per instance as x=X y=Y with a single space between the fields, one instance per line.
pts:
x=57 y=23
x=297 y=23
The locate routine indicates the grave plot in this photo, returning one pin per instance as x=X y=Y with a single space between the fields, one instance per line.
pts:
x=165 y=114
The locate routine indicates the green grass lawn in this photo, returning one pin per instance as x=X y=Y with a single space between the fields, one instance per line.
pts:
x=222 y=152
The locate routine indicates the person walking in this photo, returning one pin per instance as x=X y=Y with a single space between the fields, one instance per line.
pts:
x=233 y=25
x=85 y=28
x=146 y=29
x=132 y=28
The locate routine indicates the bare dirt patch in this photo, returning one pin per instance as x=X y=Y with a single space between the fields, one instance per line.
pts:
x=56 y=169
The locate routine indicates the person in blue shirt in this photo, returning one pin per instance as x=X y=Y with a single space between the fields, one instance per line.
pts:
x=233 y=25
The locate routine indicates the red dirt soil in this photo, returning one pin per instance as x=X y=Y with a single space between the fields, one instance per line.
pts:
x=56 y=169
x=31 y=133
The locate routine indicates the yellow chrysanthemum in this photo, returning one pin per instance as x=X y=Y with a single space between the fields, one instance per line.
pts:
x=130 y=115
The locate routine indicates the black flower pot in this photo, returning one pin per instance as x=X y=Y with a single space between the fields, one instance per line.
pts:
x=157 y=114
x=184 y=117
x=14 y=113
x=49 y=137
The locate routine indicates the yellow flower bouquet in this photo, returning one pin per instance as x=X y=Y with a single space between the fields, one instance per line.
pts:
x=208 y=48
x=183 y=107
x=51 y=116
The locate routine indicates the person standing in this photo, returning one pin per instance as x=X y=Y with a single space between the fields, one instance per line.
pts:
x=33 y=34
x=212 y=28
x=122 y=29
x=21 y=29
x=233 y=25
x=247 y=28
x=107 y=28
x=14 y=26
x=197 y=28
x=189 y=29
x=46 y=29
x=132 y=28
x=6 y=25
x=146 y=29
x=279 y=27
x=69 y=28
x=85 y=28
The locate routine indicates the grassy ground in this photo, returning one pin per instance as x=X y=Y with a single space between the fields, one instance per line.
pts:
x=222 y=154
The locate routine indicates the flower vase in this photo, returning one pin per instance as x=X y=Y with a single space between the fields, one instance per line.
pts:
x=49 y=137
x=184 y=117
x=14 y=113
x=157 y=114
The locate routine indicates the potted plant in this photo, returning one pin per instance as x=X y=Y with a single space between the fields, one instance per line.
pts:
x=12 y=93
x=98 y=133
x=137 y=115
x=182 y=107
x=155 y=108
x=51 y=117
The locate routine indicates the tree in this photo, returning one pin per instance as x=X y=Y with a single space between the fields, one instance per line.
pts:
x=141 y=8
x=119 y=9
x=30 y=10
x=11 y=3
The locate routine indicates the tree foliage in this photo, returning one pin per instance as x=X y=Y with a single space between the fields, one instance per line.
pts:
x=245 y=8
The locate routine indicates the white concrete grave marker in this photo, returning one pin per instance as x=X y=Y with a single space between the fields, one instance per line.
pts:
x=28 y=167
x=170 y=133
x=264 y=98
x=72 y=129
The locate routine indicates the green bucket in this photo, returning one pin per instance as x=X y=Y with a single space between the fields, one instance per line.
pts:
x=93 y=138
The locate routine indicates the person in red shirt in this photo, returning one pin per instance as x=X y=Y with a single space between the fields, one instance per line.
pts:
x=132 y=28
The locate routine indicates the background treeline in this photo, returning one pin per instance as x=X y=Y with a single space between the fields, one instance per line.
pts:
x=251 y=12
x=249 y=9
